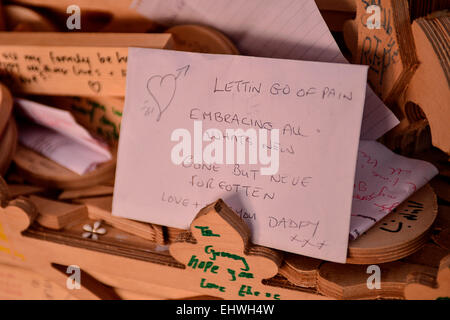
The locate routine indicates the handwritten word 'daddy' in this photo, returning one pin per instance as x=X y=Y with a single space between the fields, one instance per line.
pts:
x=215 y=151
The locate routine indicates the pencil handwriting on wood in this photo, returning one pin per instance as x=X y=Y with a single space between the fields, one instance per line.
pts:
x=95 y=86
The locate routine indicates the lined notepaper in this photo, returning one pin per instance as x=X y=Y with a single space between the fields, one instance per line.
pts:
x=289 y=29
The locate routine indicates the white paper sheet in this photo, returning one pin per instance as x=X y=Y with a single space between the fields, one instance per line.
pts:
x=57 y=135
x=289 y=29
x=383 y=180
x=303 y=208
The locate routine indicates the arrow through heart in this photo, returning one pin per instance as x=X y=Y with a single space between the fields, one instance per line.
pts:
x=162 y=90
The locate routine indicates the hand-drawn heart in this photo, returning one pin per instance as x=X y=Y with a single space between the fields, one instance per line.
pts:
x=95 y=86
x=162 y=89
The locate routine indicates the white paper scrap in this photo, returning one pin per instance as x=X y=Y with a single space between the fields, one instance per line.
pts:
x=55 y=134
x=383 y=180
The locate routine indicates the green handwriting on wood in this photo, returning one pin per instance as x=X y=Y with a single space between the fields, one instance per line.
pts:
x=210 y=285
x=103 y=120
x=244 y=290
x=194 y=263
x=206 y=232
x=214 y=254
x=210 y=267
x=224 y=271
x=247 y=290
x=242 y=274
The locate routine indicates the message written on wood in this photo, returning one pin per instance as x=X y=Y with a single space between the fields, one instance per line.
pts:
x=218 y=252
x=385 y=43
x=70 y=63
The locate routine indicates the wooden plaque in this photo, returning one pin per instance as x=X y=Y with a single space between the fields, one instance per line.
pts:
x=388 y=49
x=400 y=233
x=70 y=63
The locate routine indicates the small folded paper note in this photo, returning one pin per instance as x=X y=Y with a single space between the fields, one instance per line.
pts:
x=55 y=134
x=299 y=132
x=383 y=180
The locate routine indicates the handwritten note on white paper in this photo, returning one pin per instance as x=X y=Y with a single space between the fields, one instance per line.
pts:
x=55 y=134
x=383 y=180
x=289 y=29
x=304 y=206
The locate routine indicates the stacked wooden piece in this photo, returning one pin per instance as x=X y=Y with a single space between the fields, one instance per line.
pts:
x=57 y=228
x=422 y=8
x=8 y=130
x=408 y=69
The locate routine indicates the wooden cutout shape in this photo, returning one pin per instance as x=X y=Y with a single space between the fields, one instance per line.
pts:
x=131 y=295
x=425 y=287
x=8 y=130
x=22 y=284
x=2 y=17
x=125 y=265
x=430 y=255
x=389 y=50
x=158 y=292
x=343 y=281
x=426 y=98
x=99 y=69
x=303 y=271
x=5 y=194
x=336 y=20
x=429 y=87
x=20 y=251
x=441 y=186
x=196 y=38
x=408 y=137
x=443 y=219
x=350 y=32
x=300 y=270
x=173 y=234
x=17 y=190
x=8 y=145
x=400 y=233
x=19 y=18
x=21 y=213
x=100 y=208
x=94 y=191
x=218 y=253
x=57 y=215
x=34 y=248
x=333 y=5
x=114 y=16
x=6 y=105
x=14 y=177
x=42 y=171
x=442 y=239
